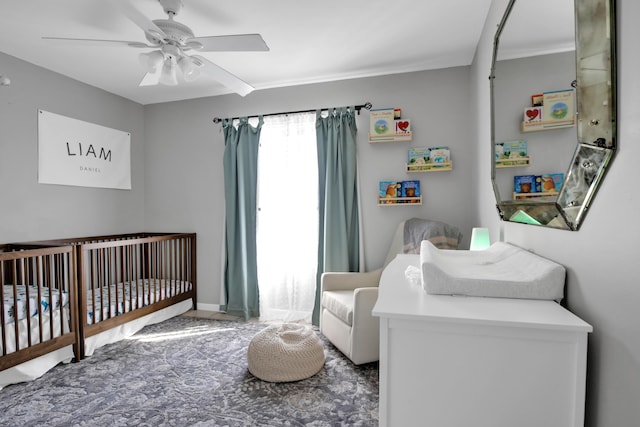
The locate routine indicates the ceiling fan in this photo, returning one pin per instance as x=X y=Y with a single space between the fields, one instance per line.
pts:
x=171 y=40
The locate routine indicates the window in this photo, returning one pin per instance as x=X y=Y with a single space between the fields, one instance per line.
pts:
x=287 y=230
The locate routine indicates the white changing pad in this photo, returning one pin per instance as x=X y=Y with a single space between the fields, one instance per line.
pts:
x=502 y=270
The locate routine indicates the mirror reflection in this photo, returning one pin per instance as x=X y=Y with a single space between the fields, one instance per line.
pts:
x=586 y=170
x=551 y=86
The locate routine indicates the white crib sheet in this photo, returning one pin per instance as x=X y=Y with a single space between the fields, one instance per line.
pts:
x=29 y=301
x=34 y=325
x=120 y=298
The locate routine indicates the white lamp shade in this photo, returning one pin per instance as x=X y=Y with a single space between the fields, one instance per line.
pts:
x=169 y=76
x=479 y=239
x=151 y=60
x=190 y=70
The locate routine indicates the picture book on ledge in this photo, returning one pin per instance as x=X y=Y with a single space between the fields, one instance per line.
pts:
x=403 y=126
x=527 y=186
x=389 y=192
x=558 y=108
x=387 y=125
x=548 y=110
x=512 y=153
x=423 y=158
x=524 y=184
x=549 y=183
x=410 y=190
x=382 y=122
x=398 y=192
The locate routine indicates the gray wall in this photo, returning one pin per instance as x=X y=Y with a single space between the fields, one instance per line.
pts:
x=183 y=169
x=601 y=258
x=39 y=211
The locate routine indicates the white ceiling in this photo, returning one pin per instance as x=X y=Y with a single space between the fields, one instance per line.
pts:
x=309 y=41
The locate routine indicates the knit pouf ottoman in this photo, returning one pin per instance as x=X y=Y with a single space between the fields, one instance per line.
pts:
x=285 y=352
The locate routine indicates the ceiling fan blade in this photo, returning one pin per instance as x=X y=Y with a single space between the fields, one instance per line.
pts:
x=139 y=18
x=234 y=43
x=234 y=83
x=97 y=42
x=151 y=79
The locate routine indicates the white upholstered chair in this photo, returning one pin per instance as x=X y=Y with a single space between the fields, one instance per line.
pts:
x=347 y=299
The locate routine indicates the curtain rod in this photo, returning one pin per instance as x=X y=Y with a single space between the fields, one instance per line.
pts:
x=366 y=106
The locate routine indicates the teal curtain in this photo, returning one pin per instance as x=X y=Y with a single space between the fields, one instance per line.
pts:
x=338 y=247
x=240 y=184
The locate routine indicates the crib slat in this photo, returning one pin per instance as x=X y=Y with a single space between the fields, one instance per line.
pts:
x=2 y=318
x=39 y=283
x=93 y=285
x=15 y=305
x=163 y=269
x=59 y=274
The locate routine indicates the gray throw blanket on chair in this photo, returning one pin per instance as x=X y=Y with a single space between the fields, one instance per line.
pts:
x=442 y=235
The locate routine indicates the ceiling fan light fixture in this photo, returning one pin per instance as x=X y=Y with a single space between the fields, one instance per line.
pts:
x=151 y=60
x=167 y=63
x=190 y=68
x=168 y=76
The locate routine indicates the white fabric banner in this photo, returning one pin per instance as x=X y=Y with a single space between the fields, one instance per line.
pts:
x=73 y=152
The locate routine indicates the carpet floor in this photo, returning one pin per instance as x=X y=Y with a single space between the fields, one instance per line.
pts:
x=189 y=371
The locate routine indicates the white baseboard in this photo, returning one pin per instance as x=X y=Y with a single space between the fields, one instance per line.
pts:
x=208 y=307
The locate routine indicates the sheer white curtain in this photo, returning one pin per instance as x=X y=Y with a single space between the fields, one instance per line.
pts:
x=287 y=227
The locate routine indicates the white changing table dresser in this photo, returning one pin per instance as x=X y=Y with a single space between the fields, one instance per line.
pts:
x=448 y=361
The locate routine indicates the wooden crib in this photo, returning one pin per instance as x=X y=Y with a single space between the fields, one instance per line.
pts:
x=38 y=310
x=126 y=277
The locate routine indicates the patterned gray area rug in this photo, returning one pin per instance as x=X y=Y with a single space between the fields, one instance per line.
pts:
x=189 y=371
